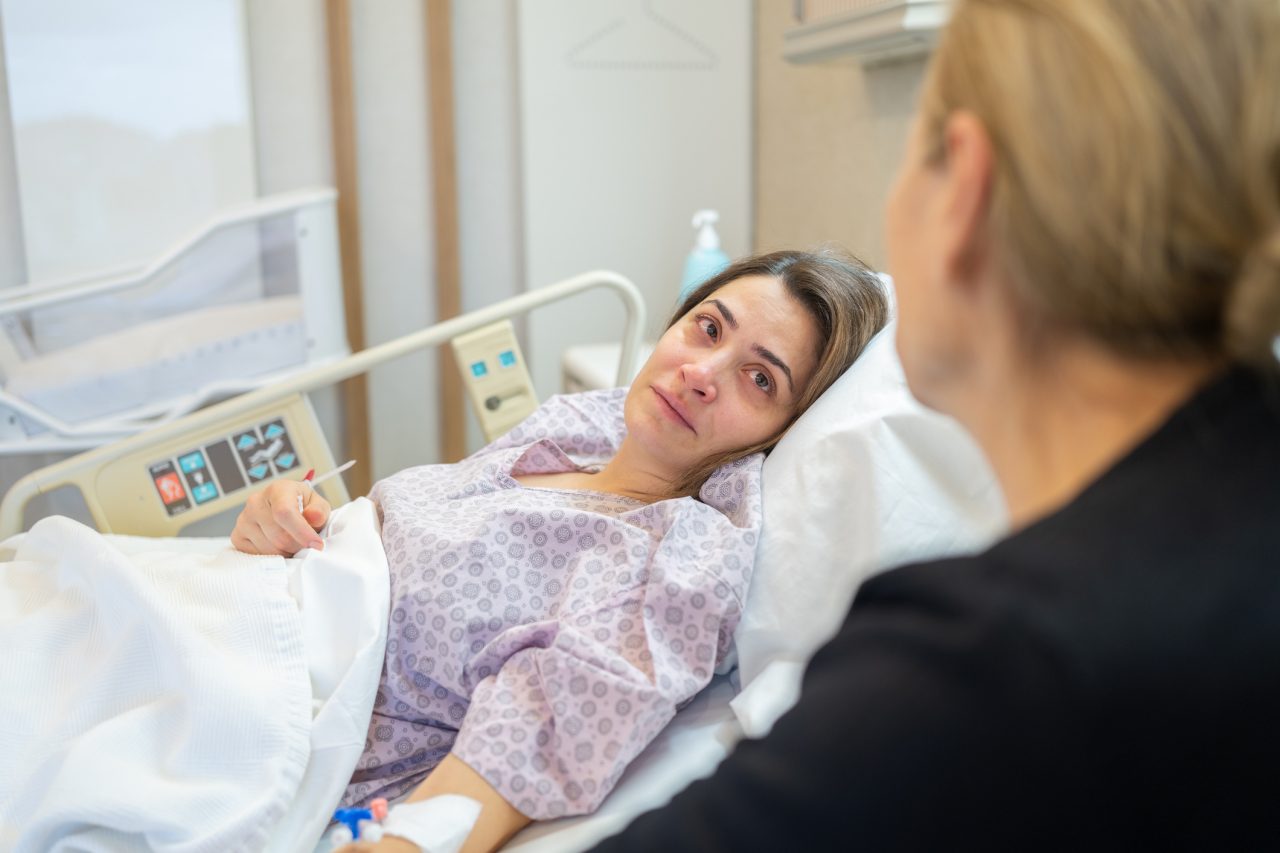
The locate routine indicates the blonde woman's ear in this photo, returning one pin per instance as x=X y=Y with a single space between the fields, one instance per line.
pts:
x=968 y=170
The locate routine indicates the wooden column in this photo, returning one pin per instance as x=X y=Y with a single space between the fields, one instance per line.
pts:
x=354 y=391
x=444 y=181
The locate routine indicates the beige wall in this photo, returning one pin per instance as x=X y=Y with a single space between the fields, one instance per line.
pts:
x=828 y=137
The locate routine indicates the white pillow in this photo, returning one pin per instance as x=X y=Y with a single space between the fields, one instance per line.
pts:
x=865 y=480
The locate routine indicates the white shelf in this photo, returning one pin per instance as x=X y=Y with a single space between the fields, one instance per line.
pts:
x=871 y=34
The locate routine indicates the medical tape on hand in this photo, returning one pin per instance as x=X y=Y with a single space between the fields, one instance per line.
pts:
x=437 y=825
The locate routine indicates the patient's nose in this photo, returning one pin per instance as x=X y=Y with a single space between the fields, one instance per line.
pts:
x=700 y=377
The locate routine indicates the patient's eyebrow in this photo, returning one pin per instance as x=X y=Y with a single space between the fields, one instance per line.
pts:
x=724 y=310
x=768 y=356
x=764 y=353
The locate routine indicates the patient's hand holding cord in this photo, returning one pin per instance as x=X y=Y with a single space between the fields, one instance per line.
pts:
x=284 y=518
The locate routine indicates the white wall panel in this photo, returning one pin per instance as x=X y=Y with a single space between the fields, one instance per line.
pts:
x=487 y=125
x=290 y=82
x=634 y=114
x=397 y=246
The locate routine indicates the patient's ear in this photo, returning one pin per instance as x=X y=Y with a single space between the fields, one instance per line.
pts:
x=969 y=166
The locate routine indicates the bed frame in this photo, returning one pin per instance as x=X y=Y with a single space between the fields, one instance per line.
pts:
x=132 y=485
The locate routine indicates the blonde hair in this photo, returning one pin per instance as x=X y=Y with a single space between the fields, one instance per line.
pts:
x=1136 y=195
x=848 y=304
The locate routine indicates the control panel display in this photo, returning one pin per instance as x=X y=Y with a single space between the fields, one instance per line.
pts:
x=227 y=465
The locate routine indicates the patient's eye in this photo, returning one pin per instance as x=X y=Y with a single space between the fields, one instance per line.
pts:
x=762 y=380
x=709 y=327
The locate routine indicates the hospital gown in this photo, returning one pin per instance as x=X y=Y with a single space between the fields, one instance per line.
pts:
x=546 y=636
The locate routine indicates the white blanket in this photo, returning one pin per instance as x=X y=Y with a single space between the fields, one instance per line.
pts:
x=146 y=701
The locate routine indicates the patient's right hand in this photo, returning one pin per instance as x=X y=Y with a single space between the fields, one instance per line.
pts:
x=271 y=524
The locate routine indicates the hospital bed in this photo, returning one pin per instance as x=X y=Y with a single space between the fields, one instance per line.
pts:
x=865 y=479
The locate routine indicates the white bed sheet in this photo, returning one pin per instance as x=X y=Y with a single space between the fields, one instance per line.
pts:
x=333 y=654
x=151 y=698
x=342 y=594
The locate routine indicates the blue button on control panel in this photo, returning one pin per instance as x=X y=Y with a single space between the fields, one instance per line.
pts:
x=204 y=492
x=191 y=462
x=478 y=369
x=507 y=358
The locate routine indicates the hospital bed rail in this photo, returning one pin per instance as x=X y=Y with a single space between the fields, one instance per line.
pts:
x=123 y=467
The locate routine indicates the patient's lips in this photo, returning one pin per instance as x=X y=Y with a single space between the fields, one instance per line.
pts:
x=672 y=407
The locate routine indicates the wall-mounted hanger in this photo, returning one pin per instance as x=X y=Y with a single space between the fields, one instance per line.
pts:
x=642 y=40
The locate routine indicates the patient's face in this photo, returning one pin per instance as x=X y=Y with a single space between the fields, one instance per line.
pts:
x=727 y=375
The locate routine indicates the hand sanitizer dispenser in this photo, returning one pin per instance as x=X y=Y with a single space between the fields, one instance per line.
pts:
x=707 y=258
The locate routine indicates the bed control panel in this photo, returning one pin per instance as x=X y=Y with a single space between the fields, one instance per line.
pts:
x=197 y=471
x=247 y=456
x=497 y=380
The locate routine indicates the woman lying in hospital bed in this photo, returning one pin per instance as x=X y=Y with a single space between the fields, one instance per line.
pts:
x=548 y=617
x=556 y=596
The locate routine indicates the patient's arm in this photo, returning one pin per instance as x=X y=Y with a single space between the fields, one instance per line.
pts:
x=270 y=522
x=498 y=821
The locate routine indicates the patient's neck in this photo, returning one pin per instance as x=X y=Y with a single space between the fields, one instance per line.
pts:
x=624 y=475
x=634 y=474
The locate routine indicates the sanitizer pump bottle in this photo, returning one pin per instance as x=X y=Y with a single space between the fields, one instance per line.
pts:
x=707 y=258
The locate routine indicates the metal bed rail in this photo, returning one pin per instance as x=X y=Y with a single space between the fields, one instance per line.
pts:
x=85 y=470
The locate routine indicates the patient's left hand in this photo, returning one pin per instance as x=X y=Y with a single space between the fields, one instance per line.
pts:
x=388 y=844
x=270 y=522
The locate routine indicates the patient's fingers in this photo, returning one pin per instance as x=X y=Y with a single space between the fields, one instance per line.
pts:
x=286 y=527
x=271 y=523
x=248 y=537
x=241 y=541
x=281 y=541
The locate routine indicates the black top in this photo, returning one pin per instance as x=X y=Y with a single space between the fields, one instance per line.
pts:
x=1109 y=677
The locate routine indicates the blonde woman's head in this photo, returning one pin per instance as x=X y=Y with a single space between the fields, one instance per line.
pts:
x=1135 y=195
